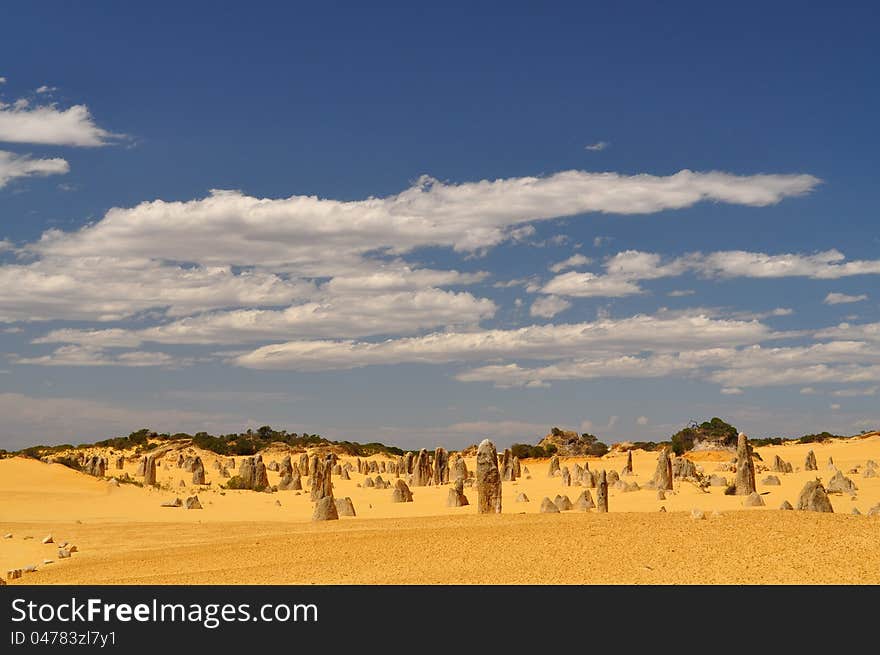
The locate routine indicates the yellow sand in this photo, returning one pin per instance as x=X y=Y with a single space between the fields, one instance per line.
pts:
x=124 y=536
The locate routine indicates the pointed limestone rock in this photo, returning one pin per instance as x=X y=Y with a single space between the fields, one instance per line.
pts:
x=745 y=467
x=602 y=493
x=810 y=462
x=344 y=507
x=785 y=505
x=441 y=466
x=554 y=466
x=628 y=467
x=813 y=498
x=488 y=479
x=401 y=493
x=663 y=472
x=563 y=503
x=456 y=497
x=325 y=510
x=566 y=477
x=754 y=500
x=198 y=472
x=521 y=498
x=584 y=502
x=422 y=473
x=548 y=507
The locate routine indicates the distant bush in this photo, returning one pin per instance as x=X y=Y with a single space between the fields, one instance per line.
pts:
x=768 y=441
x=527 y=451
x=819 y=438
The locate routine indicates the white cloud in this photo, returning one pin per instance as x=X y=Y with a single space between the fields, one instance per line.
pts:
x=549 y=306
x=87 y=356
x=587 y=285
x=302 y=231
x=834 y=406
x=14 y=166
x=49 y=125
x=598 y=146
x=533 y=342
x=642 y=420
x=572 y=262
x=731 y=391
x=859 y=331
x=353 y=315
x=808 y=391
x=626 y=269
x=834 y=298
x=681 y=293
x=45 y=89
x=853 y=393
x=2 y=80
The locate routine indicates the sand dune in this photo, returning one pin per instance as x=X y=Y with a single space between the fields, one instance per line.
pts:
x=124 y=535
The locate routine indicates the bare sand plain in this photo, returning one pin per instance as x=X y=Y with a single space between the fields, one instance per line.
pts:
x=124 y=536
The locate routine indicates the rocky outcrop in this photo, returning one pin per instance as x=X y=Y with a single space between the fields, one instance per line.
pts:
x=628 y=467
x=421 y=472
x=566 y=477
x=506 y=467
x=401 y=493
x=548 y=507
x=841 y=484
x=781 y=466
x=488 y=479
x=584 y=502
x=441 y=466
x=745 y=467
x=252 y=474
x=685 y=469
x=120 y=463
x=459 y=468
x=325 y=508
x=149 y=470
x=602 y=493
x=456 y=497
x=753 y=500
x=198 y=471
x=813 y=498
x=95 y=465
x=771 y=480
x=304 y=465
x=322 y=480
x=192 y=503
x=554 y=466
x=563 y=503
x=810 y=462
x=344 y=507
x=663 y=473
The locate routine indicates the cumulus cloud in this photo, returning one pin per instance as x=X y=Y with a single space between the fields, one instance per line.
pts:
x=549 y=306
x=14 y=166
x=49 y=125
x=572 y=262
x=598 y=146
x=834 y=298
x=642 y=420
x=300 y=230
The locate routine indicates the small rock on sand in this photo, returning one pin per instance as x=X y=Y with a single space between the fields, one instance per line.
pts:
x=548 y=506
x=344 y=507
x=697 y=514
x=521 y=498
x=47 y=539
x=172 y=503
x=753 y=500
x=785 y=505
x=193 y=503
x=563 y=503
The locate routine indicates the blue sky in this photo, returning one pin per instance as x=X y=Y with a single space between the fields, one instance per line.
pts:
x=429 y=225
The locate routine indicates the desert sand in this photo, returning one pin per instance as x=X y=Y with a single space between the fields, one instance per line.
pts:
x=244 y=537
